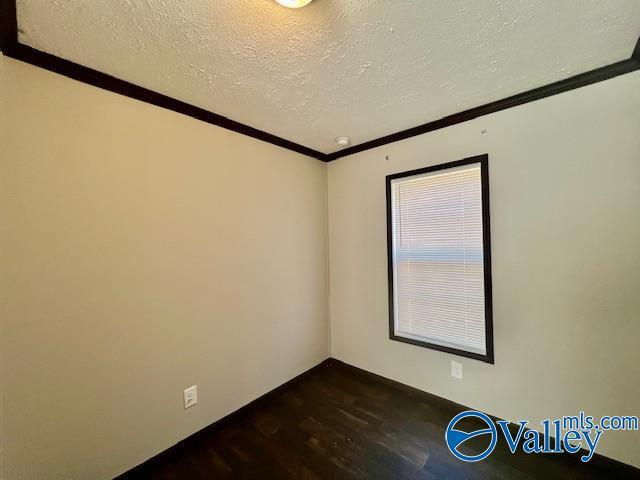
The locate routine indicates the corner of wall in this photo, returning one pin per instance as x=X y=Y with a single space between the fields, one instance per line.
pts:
x=328 y=259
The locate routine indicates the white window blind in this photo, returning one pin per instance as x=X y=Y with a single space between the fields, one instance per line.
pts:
x=437 y=258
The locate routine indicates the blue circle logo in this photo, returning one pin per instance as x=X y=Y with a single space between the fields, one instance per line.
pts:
x=455 y=438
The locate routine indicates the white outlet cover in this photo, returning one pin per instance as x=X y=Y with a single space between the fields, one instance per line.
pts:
x=456 y=369
x=190 y=396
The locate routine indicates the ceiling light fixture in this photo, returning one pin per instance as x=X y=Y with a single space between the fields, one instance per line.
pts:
x=293 y=3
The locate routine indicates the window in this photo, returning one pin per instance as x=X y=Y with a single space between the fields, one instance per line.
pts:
x=440 y=258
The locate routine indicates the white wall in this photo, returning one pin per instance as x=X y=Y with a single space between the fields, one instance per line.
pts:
x=142 y=252
x=565 y=228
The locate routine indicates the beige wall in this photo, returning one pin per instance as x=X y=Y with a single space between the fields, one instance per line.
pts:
x=565 y=227
x=143 y=252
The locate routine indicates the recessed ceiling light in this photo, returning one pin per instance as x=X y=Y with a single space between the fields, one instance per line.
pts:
x=343 y=141
x=293 y=3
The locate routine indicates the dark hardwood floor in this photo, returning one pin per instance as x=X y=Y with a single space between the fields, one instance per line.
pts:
x=337 y=422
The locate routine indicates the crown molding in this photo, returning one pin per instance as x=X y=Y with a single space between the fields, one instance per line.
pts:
x=577 y=81
x=98 y=79
x=8 y=23
x=12 y=48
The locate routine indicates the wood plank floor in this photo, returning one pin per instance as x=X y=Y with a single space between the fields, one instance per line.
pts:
x=341 y=423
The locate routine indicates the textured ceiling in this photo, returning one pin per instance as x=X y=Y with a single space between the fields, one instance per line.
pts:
x=362 y=68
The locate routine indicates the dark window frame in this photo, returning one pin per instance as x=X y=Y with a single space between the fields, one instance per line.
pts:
x=483 y=160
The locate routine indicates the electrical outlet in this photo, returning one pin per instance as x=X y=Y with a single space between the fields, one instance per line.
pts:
x=190 y=396
x=456 y=369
